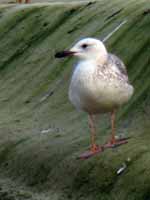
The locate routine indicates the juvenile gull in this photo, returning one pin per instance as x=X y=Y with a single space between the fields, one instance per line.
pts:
x=99 y=84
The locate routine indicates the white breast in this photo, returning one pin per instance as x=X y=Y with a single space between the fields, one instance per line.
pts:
x=81 y=84
x=96 y=94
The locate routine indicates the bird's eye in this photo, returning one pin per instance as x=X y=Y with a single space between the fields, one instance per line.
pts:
x=84 y=46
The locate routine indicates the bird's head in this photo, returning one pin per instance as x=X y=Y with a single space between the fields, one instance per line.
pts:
x=86 y=49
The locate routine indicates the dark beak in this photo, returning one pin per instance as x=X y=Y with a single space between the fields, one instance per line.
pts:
x=63 y=54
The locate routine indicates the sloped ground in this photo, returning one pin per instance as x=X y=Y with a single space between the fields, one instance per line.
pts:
x=41 y=137
x=42 y=1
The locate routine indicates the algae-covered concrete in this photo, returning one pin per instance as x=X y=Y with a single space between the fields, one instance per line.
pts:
x=41 y=134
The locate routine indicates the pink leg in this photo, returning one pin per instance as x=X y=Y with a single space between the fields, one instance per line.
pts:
x=114 y=142
x=27 y=1
x=94 y=149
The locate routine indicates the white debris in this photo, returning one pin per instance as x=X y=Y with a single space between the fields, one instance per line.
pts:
x=124 y=166
x=121 y=169
x=111 y=33
x=46 y=130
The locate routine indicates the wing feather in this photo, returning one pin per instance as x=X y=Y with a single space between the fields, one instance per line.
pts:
x=118 y=62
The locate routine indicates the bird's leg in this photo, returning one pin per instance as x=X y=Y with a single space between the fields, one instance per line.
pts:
x=114 y=142
x=92 y=127
x=27 y=1
x=94 y=149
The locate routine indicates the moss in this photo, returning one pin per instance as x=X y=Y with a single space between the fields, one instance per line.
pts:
x=45 y=164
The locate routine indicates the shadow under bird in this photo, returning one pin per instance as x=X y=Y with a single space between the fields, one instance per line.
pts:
x=99 y=84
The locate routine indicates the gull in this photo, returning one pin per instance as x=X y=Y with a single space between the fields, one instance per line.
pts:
x=99 y=84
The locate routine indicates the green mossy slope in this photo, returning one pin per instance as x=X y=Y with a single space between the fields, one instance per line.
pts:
x=39 y=164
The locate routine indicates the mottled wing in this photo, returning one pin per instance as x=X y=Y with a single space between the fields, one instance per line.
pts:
x=118 y=62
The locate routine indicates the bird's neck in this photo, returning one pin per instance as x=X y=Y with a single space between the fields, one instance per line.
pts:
x=100 y=60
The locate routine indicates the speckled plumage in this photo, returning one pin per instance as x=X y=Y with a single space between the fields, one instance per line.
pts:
x=97 y=88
